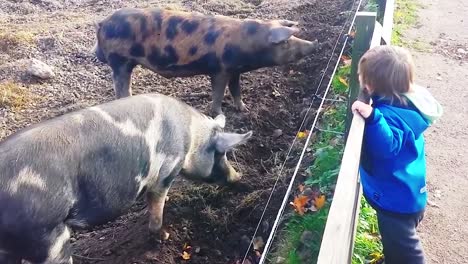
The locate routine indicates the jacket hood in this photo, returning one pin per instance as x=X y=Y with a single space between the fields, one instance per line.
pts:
x=425 y=103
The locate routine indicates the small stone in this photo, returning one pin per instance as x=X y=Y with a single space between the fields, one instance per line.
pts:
x=164 y=235
x=197 y=250
x=437 y=193
x=439 y=78
x=277 y=133
x=40 y=69
x=461 y=51
x=432 y=204
x=218 y=253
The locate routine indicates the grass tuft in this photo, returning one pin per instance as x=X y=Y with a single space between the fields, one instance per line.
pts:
x=14 y=95
x=11 y=40
x=404 y=17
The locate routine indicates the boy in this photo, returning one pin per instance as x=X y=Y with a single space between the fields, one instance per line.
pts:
x=393 y=165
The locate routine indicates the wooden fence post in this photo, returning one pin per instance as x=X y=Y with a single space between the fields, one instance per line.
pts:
x=365 y=22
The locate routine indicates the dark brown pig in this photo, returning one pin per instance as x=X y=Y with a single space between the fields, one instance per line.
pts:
x=181 y=44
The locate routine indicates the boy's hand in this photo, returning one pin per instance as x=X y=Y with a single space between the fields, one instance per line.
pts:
x=362 y=108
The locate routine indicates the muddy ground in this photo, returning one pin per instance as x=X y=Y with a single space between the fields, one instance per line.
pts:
x=211 y=219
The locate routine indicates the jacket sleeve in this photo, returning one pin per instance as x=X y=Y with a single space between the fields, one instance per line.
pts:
x=382 y=139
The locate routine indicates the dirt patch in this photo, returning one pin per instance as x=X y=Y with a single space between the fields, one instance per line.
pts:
x=210 y=218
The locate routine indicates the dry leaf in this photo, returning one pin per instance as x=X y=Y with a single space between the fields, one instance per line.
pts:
x=319 y=202
x=343 y=80
x=302 y=134
x=258 y=243
x=299 y=203
x=185 y=255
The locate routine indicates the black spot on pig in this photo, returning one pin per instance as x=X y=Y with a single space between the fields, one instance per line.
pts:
x=250 y=27
x=211 y=37
x=143 y=22
x=116 y=60
x=157 y=17
x=171 y=55
x=207 y=64
x=106 y=161
x=118 y=29
x=190 y=26
x=144 y=168
x=168 y=181
x=172 y=24
x=238 y=60
x=193 y=50
x=137 y=50
x=156 y=58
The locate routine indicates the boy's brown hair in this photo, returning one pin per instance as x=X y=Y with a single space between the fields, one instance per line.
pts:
x=388 y=71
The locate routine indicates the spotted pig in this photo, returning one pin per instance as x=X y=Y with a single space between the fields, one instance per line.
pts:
x=181 y=44
x=87 y=167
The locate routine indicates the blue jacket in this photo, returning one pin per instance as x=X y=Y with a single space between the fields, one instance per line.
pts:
x=393 y=164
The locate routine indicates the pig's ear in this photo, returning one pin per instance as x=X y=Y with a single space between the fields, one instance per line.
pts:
x=280 y=34
x=226 y=141
x=220 y=120
x=288 y=23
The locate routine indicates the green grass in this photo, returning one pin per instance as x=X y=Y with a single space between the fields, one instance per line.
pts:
x=404 y=17
x=367 y=245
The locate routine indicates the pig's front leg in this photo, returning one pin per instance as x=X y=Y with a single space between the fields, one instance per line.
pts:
x=234 y=88
x=156 y=199
x=121 y=76
x=218 y=86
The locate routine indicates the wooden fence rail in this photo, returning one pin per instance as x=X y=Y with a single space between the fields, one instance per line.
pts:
x=338 y=239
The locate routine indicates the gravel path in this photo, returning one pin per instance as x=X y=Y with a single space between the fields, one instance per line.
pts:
x=443 y=26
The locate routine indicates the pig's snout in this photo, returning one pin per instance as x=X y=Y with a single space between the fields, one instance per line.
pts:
x=304 y=48
x=310 y=47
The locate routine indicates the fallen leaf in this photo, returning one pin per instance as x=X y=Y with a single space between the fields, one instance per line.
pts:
x=319 y=202
x=299 y=203
x=302 y=134
x=377 y=257
x=258 y=243
x=185 y=255
x=343 y=80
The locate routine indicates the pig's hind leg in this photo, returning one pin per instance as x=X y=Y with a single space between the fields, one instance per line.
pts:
x=58 y=246
x=121 y=75
x=234 y=88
